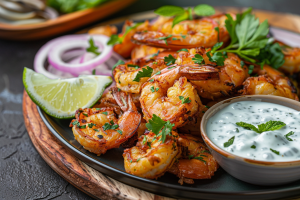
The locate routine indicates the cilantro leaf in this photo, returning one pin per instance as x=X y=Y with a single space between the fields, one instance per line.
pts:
x=216 y=47
x=111 y=125
x=184 y=100
x=146 y=72
x=247 y=126
x=160 y=127
x=93 y=48
x=271 y=126
x=120 y=132
x=154 y=89
x=217 y=58
x=253 y=147
x=289 y=134
x=169 y=59
x=272 y=55
x=229 y=142
x=198 y=59
x=204 y=10
x=274 y=151
x=155 y=124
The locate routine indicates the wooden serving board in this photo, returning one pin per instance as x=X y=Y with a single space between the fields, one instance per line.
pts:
x=63 y=23
x=80 y=174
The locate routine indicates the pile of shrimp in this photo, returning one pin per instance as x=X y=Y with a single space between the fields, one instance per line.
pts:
x=179 y=92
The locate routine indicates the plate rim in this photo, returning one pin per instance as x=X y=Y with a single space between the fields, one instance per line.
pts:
x=78 y=154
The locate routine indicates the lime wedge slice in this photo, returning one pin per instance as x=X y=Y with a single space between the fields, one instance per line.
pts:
x=60 y=98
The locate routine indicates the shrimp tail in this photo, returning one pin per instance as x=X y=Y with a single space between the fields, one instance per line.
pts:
x=197 y=73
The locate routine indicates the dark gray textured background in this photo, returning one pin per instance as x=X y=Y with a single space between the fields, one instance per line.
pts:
x=23 y=173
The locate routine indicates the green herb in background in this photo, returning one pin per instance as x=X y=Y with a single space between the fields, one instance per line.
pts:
x=180 y=14
x=115 y=39
x=69 y=6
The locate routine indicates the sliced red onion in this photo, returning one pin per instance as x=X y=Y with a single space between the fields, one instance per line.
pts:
x=74 y=56
x=103 y=69
x=81 y=41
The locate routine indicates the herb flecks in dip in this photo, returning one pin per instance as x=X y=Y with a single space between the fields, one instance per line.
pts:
x=257 y=130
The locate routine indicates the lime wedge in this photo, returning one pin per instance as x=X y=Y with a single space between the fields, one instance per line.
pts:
x=60 y=98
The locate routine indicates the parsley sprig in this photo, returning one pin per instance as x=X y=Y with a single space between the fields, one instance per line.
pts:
x=160 y=127
x=268 y=126
x=249 y=41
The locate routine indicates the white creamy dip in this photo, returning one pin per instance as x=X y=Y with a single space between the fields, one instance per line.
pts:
x=263 y=146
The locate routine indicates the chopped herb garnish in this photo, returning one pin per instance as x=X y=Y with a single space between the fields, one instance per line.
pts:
x=120 y=62
x=93 y=48
x=119 y=89
x=85 y=114
x=198 y=59
x=138 y=159
x=83 y=126
x=242 y=64
x=120 y=132
x=289 y=134
x=268 y=126
x=159 y=127
x=146 y=72
x=169 y=59
x=115 y=39
x=154 y=89
x=135 y=66
x=149 y=144
x=274 y=151
x=130 y=161
x=217 y=29
x=91 y=125
x=158 y=73
x=253 y=147
x=94 y=72
x=207 y=106
x=151 y=80
x=98 y=108
x=251 y=67
x=183 y=36
x=104 y=113
x=190 y=157
x=200 y=158
x=110 y=125
x=230 y=142
x=183 y=50
x=165 y=38
x=175 y=38
x=76 y=123
x=97 y=130
x=144 y=139
x=171 y=67
x=184 y=100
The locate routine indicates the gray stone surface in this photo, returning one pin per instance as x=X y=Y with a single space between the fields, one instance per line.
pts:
x=23 y=173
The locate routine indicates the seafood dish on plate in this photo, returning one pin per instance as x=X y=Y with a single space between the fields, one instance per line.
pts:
x=171 y=70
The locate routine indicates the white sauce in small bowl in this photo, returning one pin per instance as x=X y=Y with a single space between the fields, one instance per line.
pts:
x=266 y=146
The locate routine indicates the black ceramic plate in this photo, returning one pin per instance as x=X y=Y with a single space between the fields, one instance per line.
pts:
x=221 y=186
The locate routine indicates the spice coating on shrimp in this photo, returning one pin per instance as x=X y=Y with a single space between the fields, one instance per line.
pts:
x=170 y=96
x=196 y=162
x=98 y=130
x=151 y=158
x=270 y=82
x=186 y=34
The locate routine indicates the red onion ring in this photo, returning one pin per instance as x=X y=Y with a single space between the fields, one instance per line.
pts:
x=77 y=55
x=81 y=41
